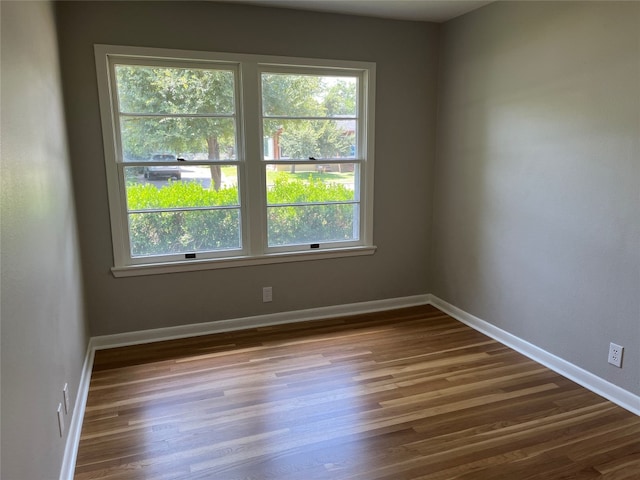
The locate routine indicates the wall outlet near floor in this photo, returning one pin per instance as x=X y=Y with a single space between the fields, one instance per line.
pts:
x=615 y=355
x=267 y=294
x=60 y=420
x=65 y=397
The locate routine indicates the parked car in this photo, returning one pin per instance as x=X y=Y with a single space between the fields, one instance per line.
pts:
x=163 y=171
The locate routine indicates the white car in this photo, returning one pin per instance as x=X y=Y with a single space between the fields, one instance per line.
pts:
x=163 y=171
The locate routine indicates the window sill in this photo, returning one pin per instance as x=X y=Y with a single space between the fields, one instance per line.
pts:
x=232 y=262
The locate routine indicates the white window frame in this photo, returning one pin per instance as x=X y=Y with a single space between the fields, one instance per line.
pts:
x=249 y=160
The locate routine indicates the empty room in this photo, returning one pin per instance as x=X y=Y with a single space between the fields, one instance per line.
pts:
x=331 y=240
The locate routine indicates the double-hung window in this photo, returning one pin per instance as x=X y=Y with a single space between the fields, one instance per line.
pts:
x=218 y=160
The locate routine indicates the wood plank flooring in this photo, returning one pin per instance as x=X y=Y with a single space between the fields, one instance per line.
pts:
x=406 y=394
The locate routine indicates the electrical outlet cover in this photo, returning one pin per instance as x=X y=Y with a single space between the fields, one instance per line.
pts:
x=60 y=420
x=65 y=396
x=615 y=354
x=267 y=294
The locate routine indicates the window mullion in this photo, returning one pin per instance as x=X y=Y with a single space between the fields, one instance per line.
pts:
x=253 y=195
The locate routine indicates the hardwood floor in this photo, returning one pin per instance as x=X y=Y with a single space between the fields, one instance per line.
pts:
x=407 y=394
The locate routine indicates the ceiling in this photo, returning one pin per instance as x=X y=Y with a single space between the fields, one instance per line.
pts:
x=422 y=10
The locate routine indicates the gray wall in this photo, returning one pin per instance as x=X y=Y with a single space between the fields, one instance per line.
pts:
x=536 y=216
x=405 y=53
x=44 y=336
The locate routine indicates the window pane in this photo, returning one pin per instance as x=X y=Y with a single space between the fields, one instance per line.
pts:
x=310 y=182
x=312 y=224
x=188 y=138
x=174 y=90
x=309 y=95
x=301 y=139
x=166 y=233
x=151 y=188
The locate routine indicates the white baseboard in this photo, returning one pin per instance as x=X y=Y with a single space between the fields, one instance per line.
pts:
x=588 y=380
x=234 y=324
x=75 y=427
x=617 y=395
x=193 y=330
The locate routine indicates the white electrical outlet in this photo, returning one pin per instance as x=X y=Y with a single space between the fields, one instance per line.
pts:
x=65 y=396
x=267 y=294
x=615 y=354
x=60 y=420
